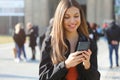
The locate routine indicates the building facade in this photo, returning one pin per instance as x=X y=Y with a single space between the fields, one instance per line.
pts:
x=39 y=12
x=11 y=12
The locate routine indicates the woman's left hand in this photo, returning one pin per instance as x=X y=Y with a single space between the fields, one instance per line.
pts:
x=86 y=58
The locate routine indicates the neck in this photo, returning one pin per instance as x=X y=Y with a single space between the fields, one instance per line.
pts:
x=72 y=36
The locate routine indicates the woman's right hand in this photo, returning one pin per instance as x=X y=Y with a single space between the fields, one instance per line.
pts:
x=74 y=59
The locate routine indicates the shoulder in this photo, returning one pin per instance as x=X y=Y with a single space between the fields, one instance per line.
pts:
x=45 y=51
x=46 y=43
x=48 y=39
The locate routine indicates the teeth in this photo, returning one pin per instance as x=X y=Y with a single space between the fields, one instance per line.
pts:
x=72 y=25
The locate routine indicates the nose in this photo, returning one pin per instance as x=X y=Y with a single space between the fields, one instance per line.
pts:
x=72 y=20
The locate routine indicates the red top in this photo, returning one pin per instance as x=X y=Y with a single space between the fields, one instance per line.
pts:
x=72 y=74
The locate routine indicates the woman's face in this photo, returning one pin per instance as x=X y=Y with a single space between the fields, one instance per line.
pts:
x=72 y=19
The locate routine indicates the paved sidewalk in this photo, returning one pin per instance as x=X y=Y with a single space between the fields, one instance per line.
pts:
x=10 y=70
x=103 y=62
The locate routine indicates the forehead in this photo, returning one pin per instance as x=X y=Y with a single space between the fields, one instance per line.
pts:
x=72 y=10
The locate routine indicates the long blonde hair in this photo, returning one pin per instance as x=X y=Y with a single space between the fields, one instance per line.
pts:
x=58 y=39
x=18 y=26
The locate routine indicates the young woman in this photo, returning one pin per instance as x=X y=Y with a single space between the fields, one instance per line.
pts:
x=60 y=59
x=19 y=38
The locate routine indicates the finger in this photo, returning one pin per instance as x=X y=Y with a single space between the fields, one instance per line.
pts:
x=83 y=59
x=79 y=61
x=77 y=53
x=90 y=52
x=85 y=56
x=79 y=57
x=87 y=53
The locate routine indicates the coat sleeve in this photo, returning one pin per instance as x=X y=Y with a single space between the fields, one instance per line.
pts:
x=108 y=36
x=90 y=74
x=47 y=70
x=93 y=73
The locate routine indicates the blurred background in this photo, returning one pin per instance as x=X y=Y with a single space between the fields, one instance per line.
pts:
x=39 y=12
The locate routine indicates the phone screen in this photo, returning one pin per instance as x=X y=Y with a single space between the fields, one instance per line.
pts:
x=83 y=46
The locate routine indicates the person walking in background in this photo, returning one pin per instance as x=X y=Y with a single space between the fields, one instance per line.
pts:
x=93 y=41
x=96 y=34
x=60 y=59
x=19 y=38
x=32 y=39
x=113 y=38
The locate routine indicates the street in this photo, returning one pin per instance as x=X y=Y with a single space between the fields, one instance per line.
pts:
x=103 y=62
x=10 y=70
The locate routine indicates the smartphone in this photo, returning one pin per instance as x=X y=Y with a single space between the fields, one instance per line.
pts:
x=83 y=46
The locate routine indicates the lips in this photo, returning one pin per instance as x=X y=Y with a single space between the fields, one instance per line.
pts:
x=72 y=26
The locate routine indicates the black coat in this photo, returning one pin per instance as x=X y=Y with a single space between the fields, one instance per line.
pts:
x=42 y=37
x=49 y=71
x=20 y=38
x=113 y=33
x=32 y=37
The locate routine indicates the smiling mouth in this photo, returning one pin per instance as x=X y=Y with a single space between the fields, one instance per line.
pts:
x=72 y=26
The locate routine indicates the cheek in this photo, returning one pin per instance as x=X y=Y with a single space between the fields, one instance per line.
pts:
x=78 y=22
x=65 y=23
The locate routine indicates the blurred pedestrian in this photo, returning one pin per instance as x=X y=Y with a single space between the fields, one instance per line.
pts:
x=113 y=38
x=32 y=39
x=96 y=34
x=60 y=59
x=19 y=38
x=93 y=39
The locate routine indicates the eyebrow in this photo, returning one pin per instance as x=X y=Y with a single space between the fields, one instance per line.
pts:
x=75 y=13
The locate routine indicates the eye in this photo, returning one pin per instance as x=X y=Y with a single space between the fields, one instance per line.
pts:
x=66 y=17
x=76 y=16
